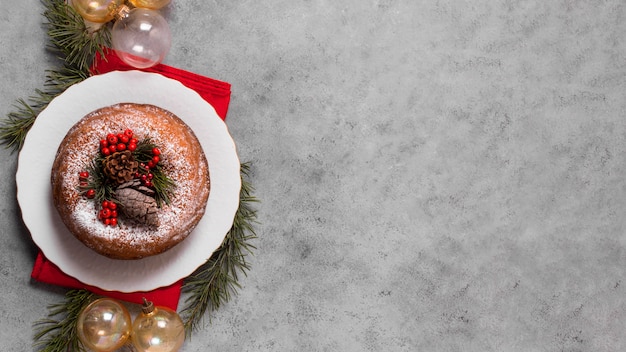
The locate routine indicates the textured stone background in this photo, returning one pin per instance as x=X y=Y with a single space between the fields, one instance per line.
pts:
x=434 y=175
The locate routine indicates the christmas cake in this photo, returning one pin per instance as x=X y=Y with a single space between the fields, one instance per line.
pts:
x=130 y=180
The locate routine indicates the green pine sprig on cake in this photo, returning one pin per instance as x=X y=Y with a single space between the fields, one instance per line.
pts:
x=161 y=183
x=96 y=180
x=214 y=283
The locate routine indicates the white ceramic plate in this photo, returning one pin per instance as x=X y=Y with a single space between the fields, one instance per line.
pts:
x=35 y=193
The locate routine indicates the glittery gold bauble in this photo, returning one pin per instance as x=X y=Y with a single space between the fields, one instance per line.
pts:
x=104 y=325
x=157 y=329
x=99 y=11
x=150 y=4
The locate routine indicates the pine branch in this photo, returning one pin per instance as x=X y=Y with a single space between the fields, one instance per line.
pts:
x=57 y=81
x=15 y=126
x=97 y=182
x=59 y=335
x=70 y=36
x=212 y=284
x=163 y=185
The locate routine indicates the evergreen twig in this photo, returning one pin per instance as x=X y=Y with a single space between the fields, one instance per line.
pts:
x=59 y=335
x=212 y=284
x=78 y=45
x=70 y=36
x=163 y=185
x=15 y=126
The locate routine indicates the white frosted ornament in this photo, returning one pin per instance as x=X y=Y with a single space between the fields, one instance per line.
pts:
x=141 y=37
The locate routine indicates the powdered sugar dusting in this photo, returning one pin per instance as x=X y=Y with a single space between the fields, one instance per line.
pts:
x=180 y=160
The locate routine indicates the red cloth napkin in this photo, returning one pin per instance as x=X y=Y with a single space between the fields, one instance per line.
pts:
x=216 y=93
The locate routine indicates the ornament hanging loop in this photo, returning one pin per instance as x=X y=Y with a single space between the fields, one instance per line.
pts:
x=121 y=12
x=148 y=306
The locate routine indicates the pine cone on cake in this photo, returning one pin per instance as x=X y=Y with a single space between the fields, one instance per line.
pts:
x=137 y=203
x=120 y=166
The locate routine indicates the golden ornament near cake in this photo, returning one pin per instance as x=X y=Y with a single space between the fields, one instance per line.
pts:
x=150 y=222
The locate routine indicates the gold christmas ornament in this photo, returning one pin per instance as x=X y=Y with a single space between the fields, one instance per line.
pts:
x=157 y=329
x=98 y=11
x=150 y=4
x=104 y=325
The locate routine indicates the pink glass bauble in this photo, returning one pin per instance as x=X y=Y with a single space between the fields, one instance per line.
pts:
x=141 y=38
x=98 y=11
x=150 y=4
x=104 y=325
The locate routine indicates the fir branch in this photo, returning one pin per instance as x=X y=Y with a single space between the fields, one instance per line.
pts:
x=59 y=335
x=163 y=185
x=15 y=126
x=143 y=153
x=212 y=284
x=98 y=182
x=70 y=36
x=57 y=81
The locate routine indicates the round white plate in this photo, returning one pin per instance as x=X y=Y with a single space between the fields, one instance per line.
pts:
x=35 y=193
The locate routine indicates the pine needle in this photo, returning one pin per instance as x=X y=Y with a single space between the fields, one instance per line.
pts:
x=78 y=46
x=70 y=36
x=16 y=125
x=212 y=284
x=59 y=334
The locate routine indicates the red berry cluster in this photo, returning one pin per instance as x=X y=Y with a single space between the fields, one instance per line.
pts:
x=118 y=142
x=155 y=158
x=83 y=176
x=108 y=213
x=146 y=179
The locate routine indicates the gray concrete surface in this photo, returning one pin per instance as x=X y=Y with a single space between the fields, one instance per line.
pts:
x=434 y=175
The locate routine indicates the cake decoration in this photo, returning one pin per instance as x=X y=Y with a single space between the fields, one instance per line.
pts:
x=126 y=178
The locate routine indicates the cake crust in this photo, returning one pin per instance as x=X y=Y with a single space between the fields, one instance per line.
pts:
x=183 y=161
